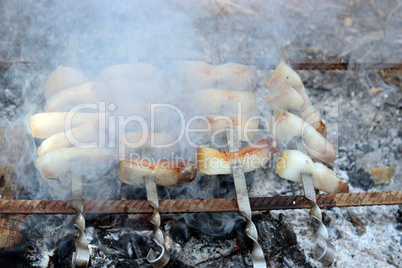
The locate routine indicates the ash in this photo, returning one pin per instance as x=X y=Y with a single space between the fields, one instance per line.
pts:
x=361 y=110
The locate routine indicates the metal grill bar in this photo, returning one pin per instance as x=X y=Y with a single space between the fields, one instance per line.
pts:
x=200 y=205
x=334 y=63
x=330 y=63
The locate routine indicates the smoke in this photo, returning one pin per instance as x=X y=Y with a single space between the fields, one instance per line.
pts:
x=91 y=36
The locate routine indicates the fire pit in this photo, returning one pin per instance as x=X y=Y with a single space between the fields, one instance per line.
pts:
x=349 y=64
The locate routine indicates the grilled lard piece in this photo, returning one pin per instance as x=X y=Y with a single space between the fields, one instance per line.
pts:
x=287 y=127
x=91 y=92
x=63 y=77
x=226 y=102
x=44 y=125
x=197 y=75
x=293 y=163
x=139 y=72
x=124 y=90
x=166 y=173
x=287 y=98
x=86 y=134
x=214 y=162
x=287 y=92
x=246 y=127
x=118 y=91
x=57 y=162
x=284 y=74
x=158 y=144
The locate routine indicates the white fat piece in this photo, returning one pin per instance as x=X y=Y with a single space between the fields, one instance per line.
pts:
x=288 y=99
x=139 y=72
x=245 y=126
x=85 y=135
x=57 y=162
x=293 y=163
x=197 y=75
x=226 y=102
x=236 y=77
x=124 y=91
x=63 y=77
x=131 y=144
x=91 y=92
x=284 y=74
x=44 y=125
x=287 y=127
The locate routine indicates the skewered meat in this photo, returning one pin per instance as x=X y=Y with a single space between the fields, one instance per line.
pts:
x=67 y=98
x=284 y=74
x=166 y=173
x=44 y=125
x=287 y=127
x=293 y=163
x=63 y=77
x=198 y=75
x=133 y=142
x=124 y=90
x=213 y=162
x=245 y=127
x=84 y=134
x=57 y=162
x=139 y=72
x=226 y=102
x=287 y=98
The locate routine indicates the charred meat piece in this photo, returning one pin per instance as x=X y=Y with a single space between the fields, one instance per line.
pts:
x=166 y=173
x=214 y=162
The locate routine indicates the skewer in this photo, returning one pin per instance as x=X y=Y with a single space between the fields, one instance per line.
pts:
x=324 y=251
x=162 y=257
x=81 y=256
x=257 y=255
x=202 y=205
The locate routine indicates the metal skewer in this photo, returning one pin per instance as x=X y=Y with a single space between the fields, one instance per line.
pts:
x=162 y=257
x=257 y=254
x=81 y=256
x=324 y=251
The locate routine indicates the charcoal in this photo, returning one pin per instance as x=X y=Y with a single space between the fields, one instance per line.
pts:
x=361 y=178
x=279 y=242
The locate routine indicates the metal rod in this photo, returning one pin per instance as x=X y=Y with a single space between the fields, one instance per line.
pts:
x=330 y=63
x=200 y=205
x=334 y=63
